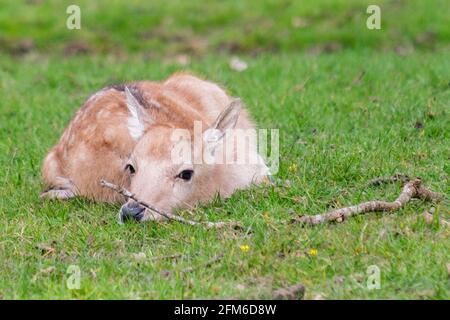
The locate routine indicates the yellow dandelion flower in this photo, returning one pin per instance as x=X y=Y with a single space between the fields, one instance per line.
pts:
x=358 y=250
x=244 y=247
x=312 y=252
x=293 y=167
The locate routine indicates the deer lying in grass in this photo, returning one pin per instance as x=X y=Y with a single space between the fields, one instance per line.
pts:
x=125 y=134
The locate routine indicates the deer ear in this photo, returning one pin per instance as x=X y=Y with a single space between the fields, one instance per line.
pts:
x=227 y=119
x=138 y=119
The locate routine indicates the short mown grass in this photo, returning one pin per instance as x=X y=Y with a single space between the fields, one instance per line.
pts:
x=350 y=105
x=336 y=133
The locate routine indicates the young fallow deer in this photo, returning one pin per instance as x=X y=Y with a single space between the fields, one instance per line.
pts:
x=127 y=134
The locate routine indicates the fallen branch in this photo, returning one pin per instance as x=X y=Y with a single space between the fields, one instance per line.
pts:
x=129 y=195
x=395 y=178
x=412 y=189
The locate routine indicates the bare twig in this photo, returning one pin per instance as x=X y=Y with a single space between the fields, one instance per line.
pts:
x=168 y=215
x=383 y=180
x=412 y=189
x=427 y=195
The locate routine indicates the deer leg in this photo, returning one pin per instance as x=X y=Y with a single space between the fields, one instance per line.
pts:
x=62 y=189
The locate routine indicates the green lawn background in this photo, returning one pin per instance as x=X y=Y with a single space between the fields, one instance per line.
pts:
x=351 y=104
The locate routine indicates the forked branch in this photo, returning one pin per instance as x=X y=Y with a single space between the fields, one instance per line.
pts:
x=412 y=189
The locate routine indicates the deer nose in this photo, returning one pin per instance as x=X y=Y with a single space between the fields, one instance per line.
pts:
x=131 y=210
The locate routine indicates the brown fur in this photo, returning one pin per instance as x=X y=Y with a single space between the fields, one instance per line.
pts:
x=97 y=143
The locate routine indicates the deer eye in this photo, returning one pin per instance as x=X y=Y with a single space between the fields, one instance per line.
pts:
x=130 y=169
x=186 y=175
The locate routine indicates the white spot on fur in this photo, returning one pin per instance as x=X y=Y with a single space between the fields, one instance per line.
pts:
x=154 y=103
x=109 y=135
x=103 y=114
x=82 y=152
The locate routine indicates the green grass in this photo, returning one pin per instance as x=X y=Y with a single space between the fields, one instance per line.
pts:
x=344 y=118
x=353 y=132
x=152 y=27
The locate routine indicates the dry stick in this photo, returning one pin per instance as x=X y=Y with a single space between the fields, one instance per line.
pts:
x=395 y=178
x=412 y=189
x=127 y=194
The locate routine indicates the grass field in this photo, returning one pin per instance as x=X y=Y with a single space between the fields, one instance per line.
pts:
x=373 y=106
